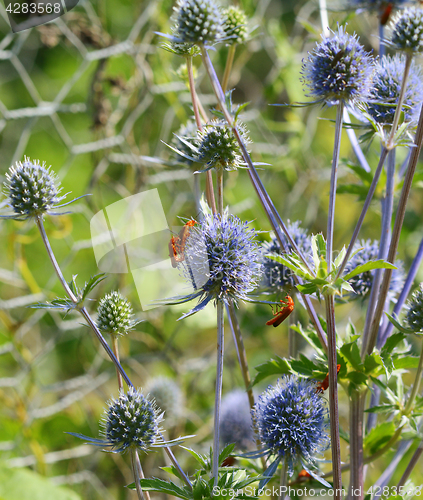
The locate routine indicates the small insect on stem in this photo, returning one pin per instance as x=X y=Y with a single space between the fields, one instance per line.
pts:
x=281 y=314
x=177 y=243
x=386 y=13
x=324 y=384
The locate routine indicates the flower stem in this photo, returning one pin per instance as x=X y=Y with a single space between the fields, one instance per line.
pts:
x=333 y=180
x=396 y=232
x=366 y=206
x=243 y=363
x=411 y=465
x=194 y=98
x=283 y=480
x=228 y=67
x=357 y=401
x=269 y=208
x=416 y=385
x=219 y=382
x=115 y=346
x=93 y=326
x=137 y=472
x=387 y=209
x=333 y=396
x=219 y=176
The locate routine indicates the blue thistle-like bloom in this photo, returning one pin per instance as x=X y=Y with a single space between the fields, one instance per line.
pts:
x=168 y=396
x=198 y=22
x=222 y=260
x=407 y=30
x=415 y=310
x=131 y=420
x=384 y=96
x=362 y=283
x=292 y=420
x=338 y=69
x=276 y=276
x=115 y=314
x=235 y=424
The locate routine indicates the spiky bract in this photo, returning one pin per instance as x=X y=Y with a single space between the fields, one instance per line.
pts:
x=292 y=420
x=338 y=69
x=131 y=420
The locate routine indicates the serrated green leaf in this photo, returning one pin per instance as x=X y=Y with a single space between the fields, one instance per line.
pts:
x=200 y=459
x=362 y=174
x=369 y=266
x=406 y=362
x=278 y=366
x=351 y=353
x=382 y=409
x=378 y=437
x=392 y=342
x=162 y=486
x=307 y=289
x=372 y=362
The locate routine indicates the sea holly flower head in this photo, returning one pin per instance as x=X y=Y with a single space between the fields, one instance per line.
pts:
x=292 y=420
x=115 y=314
x=235 y=25
x=276 y=276
x=407 y=30
x=415 y=310
x=218 y=147
x=198 y=22
x=384 y=95
x=221 y=261
x=235 y=424
x=338 y=69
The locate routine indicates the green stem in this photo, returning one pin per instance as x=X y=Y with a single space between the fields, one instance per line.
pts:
x=228 y=67
x=219 y=383
x=333 y=182
x=137 y=472
x=219 y=180
x=333 y=397
x=357 y=402
x=283 y=480
x=115 y=346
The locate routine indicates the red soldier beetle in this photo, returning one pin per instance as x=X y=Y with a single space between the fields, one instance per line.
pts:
x=281 y=315
x=324 y=384
x=177 y=243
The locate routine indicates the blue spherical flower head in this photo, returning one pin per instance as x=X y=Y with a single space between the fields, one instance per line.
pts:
x=338 y=69
x=362 y=283
x=293 y=421
x=384 y=96
x=276 y=276
x=131 y=420
x=222 y=260
x=235 y=424
x=407 y=30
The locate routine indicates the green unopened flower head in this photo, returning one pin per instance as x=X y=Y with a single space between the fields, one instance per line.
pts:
x=235 y=25
x=218 y=147
x=115 y=314
x=131 y=420
x=198 y=22
x=32 y=189
x=415 y=311
x=407 y=30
